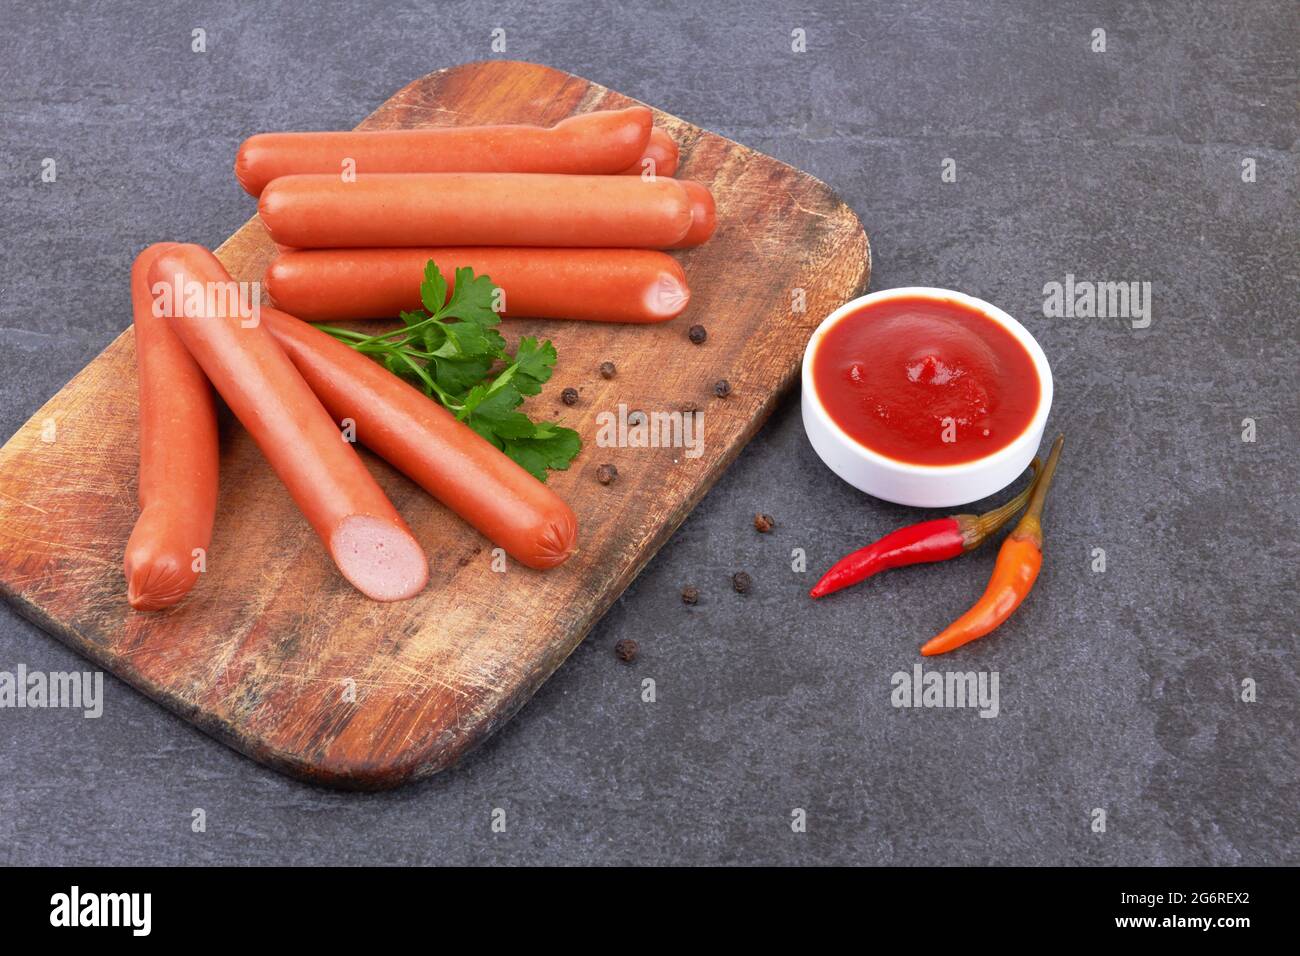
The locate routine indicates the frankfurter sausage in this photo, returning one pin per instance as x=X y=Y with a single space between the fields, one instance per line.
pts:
x=362 y=531
x=704 y=216
x=662 y=149
x=603 y=142
x=178 y=456
x=477 y=209
x=598 y=285
x=419 y=437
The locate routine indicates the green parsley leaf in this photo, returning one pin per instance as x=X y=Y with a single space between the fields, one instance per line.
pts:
x=449 y=350
x=458 y=375
x=472 y=298
x=433 y=290
x=550 y=447
x=535 y=363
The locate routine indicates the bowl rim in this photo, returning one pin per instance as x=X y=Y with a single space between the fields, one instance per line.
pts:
x=1037 y=424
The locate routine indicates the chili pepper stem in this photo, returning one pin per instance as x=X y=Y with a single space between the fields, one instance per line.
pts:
x=1031 y=525
x=975 y=529
x=1019 y=560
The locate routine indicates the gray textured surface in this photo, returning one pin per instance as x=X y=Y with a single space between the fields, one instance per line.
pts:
x=1118 y=690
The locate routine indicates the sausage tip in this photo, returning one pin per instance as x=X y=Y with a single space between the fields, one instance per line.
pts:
x=704 y=215
x=668 y=297
x=267 y=203
x=154 y=582
x=251 y=160
x=557 y=541
x=639 y=134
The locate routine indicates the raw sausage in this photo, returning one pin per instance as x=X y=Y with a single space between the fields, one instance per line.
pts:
x=178 y=456
x=599 y=285
x=662 y=149
x=364 y=534
x=478 y=209
x=603 y=142
x=425 y=441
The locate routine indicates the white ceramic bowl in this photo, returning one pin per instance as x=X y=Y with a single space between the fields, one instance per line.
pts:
x=923 y=486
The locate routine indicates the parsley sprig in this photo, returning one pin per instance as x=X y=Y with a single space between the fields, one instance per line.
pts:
x=451 y=350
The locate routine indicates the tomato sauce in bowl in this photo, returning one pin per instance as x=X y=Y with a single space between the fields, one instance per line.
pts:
x=926 y=381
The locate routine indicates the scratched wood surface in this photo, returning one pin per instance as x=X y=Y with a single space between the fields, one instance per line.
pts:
x=261 y=652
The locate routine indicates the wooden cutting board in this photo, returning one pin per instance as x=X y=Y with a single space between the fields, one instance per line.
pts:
x=264 y=652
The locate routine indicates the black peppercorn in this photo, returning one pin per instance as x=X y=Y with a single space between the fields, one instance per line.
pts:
x=741 y=582
x=690 y=595
x=606 y=473
x=607 y=370
x=763 y=523
x=697 y=334
x=626 y=650
x=722 y=388
x=569 y=396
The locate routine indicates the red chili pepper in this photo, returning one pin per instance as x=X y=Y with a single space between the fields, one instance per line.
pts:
x=936 y=540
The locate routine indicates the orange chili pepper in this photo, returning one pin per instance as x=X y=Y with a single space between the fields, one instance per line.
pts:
x=1014 y=574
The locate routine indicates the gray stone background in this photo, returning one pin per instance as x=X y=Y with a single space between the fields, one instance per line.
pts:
x=1119 y=690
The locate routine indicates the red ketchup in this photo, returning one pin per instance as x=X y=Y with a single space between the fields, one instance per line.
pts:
x=926 y=381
